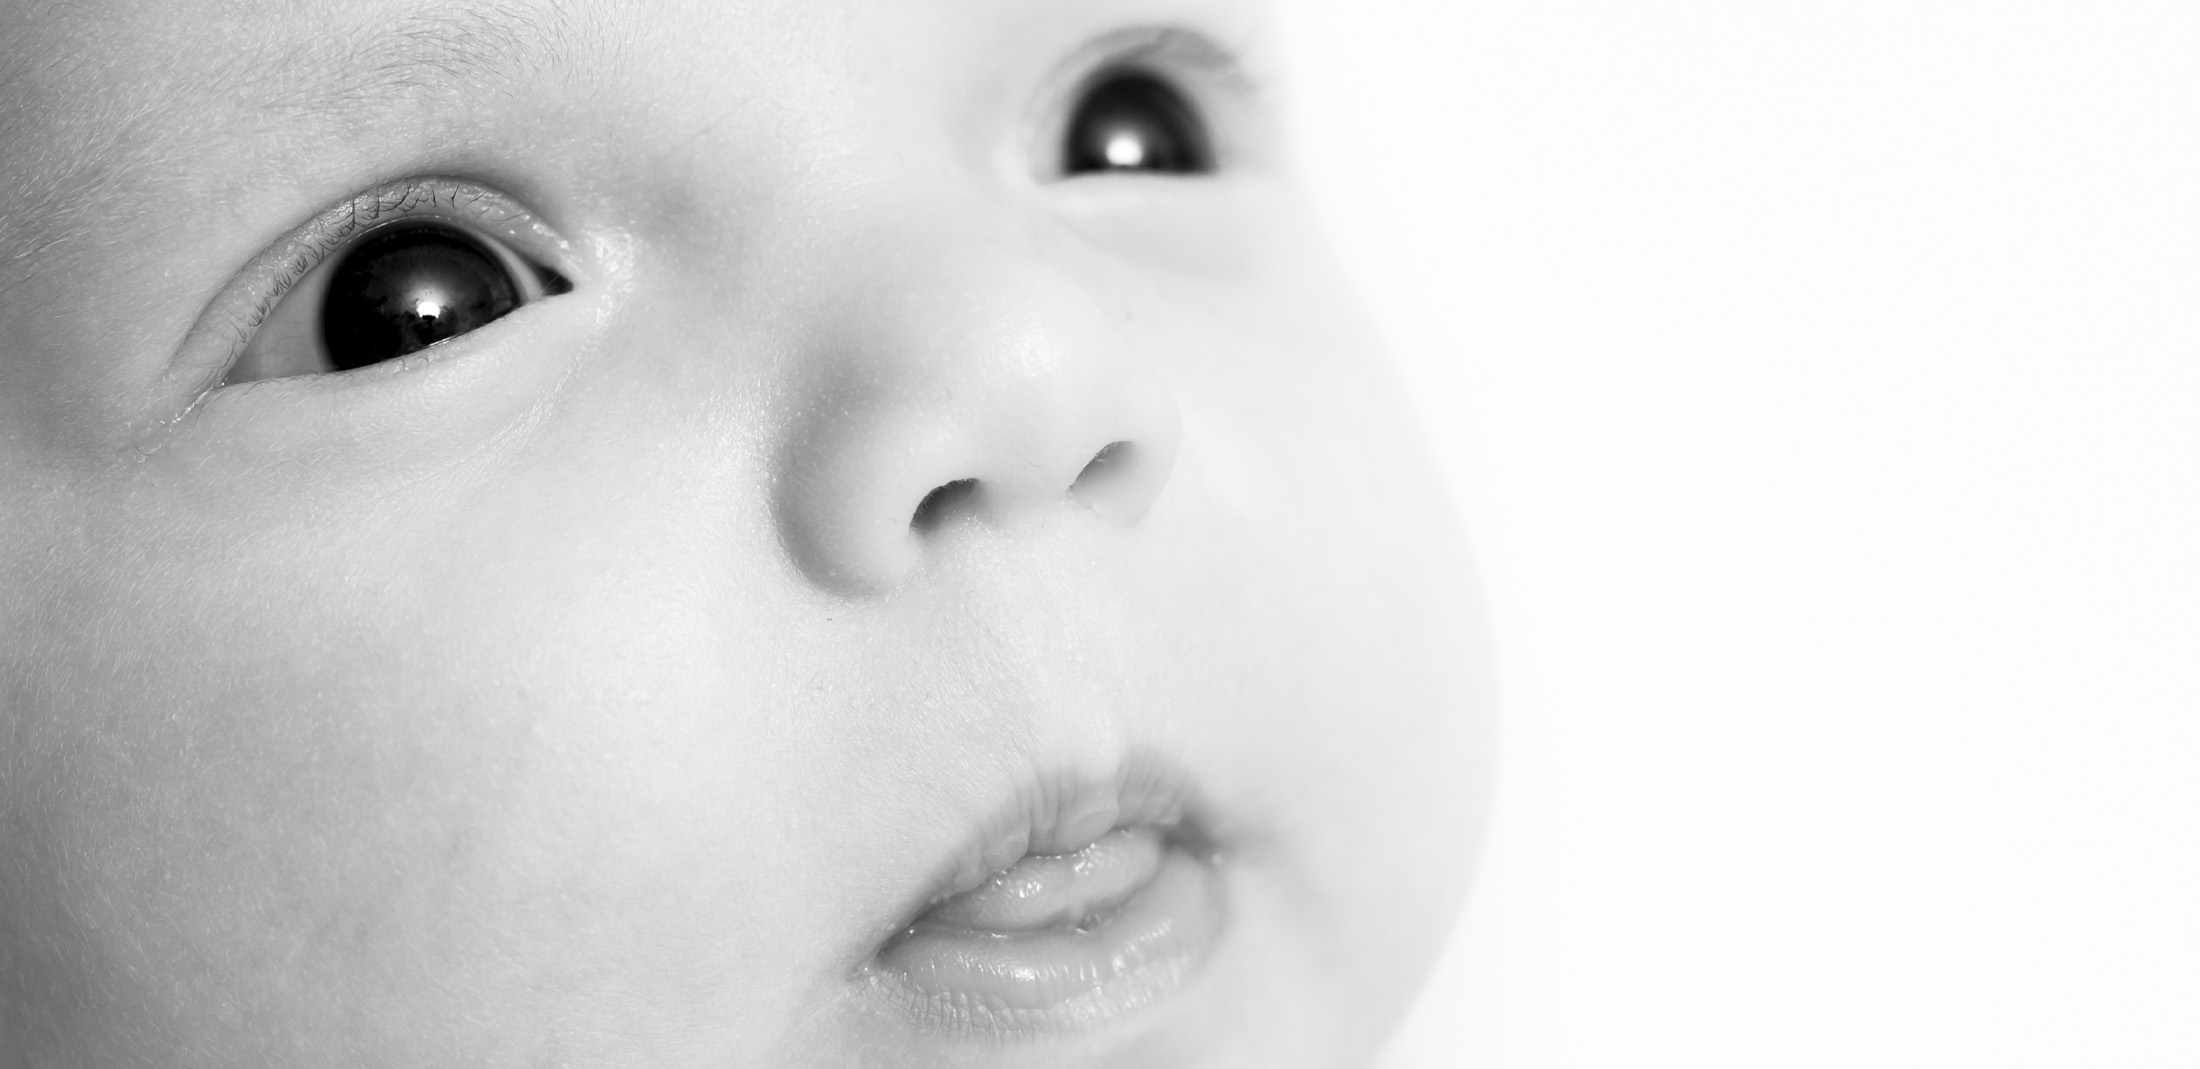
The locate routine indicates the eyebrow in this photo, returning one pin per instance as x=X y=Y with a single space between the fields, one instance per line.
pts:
x=478 y=46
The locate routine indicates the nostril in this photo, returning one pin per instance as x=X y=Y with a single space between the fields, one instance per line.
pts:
x=943 y=502
x=1112 y=465
x=1120 y=481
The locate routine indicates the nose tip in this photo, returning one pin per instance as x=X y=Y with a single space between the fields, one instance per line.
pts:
x=992 y=403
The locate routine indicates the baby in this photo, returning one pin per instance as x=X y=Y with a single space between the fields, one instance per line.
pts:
x=702 y=533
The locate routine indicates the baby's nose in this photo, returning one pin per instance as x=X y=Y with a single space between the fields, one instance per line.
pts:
x=963 y=386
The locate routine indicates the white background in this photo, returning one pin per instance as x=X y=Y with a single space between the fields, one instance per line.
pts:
x=1821 y=382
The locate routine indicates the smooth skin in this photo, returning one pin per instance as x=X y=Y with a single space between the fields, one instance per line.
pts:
x=578 y=692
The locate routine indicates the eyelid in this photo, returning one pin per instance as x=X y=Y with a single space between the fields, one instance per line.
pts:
x=1166 y=49
x=226 y=327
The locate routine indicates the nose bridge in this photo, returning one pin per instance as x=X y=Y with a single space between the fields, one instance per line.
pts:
x=962 y=381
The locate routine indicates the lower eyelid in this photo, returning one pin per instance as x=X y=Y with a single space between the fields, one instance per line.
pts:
x=420 y=409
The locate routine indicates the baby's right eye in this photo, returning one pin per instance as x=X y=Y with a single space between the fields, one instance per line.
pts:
x=391 y=290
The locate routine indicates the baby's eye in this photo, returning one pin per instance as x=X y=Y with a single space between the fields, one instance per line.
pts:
x=394 y=291
x=1133 y=121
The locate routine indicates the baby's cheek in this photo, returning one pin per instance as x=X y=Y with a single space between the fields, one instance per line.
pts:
x=1375 y=748
x=280 y=747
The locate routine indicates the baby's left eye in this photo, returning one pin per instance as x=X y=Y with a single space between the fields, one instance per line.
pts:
x=396 y=290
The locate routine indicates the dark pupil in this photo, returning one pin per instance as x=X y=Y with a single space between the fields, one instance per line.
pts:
x=404 y=290
x=1135 y=122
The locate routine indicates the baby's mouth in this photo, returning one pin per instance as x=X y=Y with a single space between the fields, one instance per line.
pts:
x=1109 y=908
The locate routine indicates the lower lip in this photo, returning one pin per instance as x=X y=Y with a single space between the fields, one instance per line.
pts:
x=1066 y=977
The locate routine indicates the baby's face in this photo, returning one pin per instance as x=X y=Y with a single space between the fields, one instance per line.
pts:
x=864 y=447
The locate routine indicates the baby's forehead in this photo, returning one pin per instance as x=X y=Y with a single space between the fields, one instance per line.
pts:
x=303 y=57
x=147 y=100
x=215 y=66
